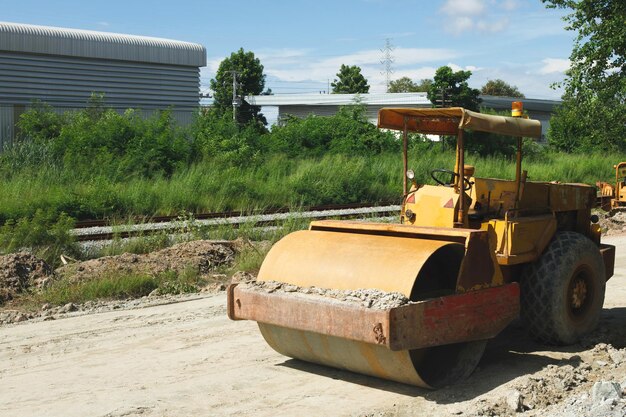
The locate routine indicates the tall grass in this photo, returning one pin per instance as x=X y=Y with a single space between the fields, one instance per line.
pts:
x=209 y=186
x=97 y=163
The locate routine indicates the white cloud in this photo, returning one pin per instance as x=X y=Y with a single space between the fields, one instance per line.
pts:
x=492 y=26
x=509 y=4
x=301 y=66
x=478 y=15
x=526 y=78
x=280 y=57
x=295 y=68
x=461 y=24
x=456 y=67
x=552 y=65
x=463 y=7
x=304 y=66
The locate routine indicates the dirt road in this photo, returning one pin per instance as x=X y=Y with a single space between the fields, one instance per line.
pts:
x=188 y=359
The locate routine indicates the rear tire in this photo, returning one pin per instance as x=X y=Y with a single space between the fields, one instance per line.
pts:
x=562 y=293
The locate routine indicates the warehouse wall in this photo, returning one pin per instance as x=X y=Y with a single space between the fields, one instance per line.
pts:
x=68 y=82
x=6 y=125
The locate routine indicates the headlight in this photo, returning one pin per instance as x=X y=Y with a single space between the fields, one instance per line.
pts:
x=410 y=174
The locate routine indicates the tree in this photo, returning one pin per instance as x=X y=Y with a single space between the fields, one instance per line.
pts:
x=593 y=113
x=406 y=85
x=500 y=88
x=350 y=81
x=250 y=81
x=598 y=59
x=453 y=87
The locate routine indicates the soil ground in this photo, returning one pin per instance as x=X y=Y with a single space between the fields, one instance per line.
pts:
x=183 y=357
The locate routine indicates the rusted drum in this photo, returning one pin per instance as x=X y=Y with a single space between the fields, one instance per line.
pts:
x=417 y=268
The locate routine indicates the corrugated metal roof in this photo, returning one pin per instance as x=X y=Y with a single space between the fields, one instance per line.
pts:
x=339 y=99
x=388 y=99
x=47 y=40
x=532 y=104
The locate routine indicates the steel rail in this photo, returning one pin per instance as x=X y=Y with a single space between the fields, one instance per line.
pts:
x=97 y=233
x=81 y=224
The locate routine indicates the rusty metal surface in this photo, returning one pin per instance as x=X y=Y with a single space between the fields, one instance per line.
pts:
x=348 y=261
x=389 y=229
x=447 y=121
x=475 y=315
x=608 y=255
x=310 y=313
x=479 y=267
x=415 y=261
x=467 y=317
x=337 y=352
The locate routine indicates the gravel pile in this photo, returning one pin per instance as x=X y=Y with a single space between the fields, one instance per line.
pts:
x=613 y=222
x=369 y=298
x=592 y=385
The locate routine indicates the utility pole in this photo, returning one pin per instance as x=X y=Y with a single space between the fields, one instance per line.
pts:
x=387 y=61
x=236 y=100
x=443 y=102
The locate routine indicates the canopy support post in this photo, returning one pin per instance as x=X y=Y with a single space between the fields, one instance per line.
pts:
x=405 y=163
x=460 y=178
x=518 y=171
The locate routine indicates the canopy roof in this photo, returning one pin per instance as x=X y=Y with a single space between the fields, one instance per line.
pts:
x=448 y=121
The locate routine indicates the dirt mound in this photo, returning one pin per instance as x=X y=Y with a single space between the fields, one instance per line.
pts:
x=21 y=271
x=202 y=255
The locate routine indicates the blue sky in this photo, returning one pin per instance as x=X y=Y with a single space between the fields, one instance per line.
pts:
x=302 y=43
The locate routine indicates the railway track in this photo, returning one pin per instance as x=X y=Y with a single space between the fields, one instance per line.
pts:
x=97 y=230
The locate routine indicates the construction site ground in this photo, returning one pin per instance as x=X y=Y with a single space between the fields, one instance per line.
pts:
x=181 y=356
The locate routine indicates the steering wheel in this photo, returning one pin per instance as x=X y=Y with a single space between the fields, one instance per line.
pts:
x=466 y=183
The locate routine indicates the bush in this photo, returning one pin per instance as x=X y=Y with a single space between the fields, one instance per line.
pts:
x=218 y=137
x=346 y=132
x=98 y=140
x=41 y=122
x=588 y=123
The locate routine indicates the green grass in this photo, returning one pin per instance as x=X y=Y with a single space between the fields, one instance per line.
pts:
x=249 y=259
x=290 y=182
x=116 y=287
x=277 y=182
x=36 y=199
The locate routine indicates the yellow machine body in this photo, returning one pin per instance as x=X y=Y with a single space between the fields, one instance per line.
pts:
x=523 y=227
x=454 y=256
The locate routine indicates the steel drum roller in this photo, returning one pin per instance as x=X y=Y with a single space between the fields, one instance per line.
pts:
x=417 y=268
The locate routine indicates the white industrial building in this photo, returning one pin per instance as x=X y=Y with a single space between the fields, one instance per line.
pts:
x=303 y=105
x=63 y=67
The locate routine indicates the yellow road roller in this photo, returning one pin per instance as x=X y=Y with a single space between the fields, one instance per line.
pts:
x=470 y=255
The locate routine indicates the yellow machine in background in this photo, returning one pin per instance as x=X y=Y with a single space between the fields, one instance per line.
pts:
x=613 y=196
x=470 y=253
x=619 y=199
